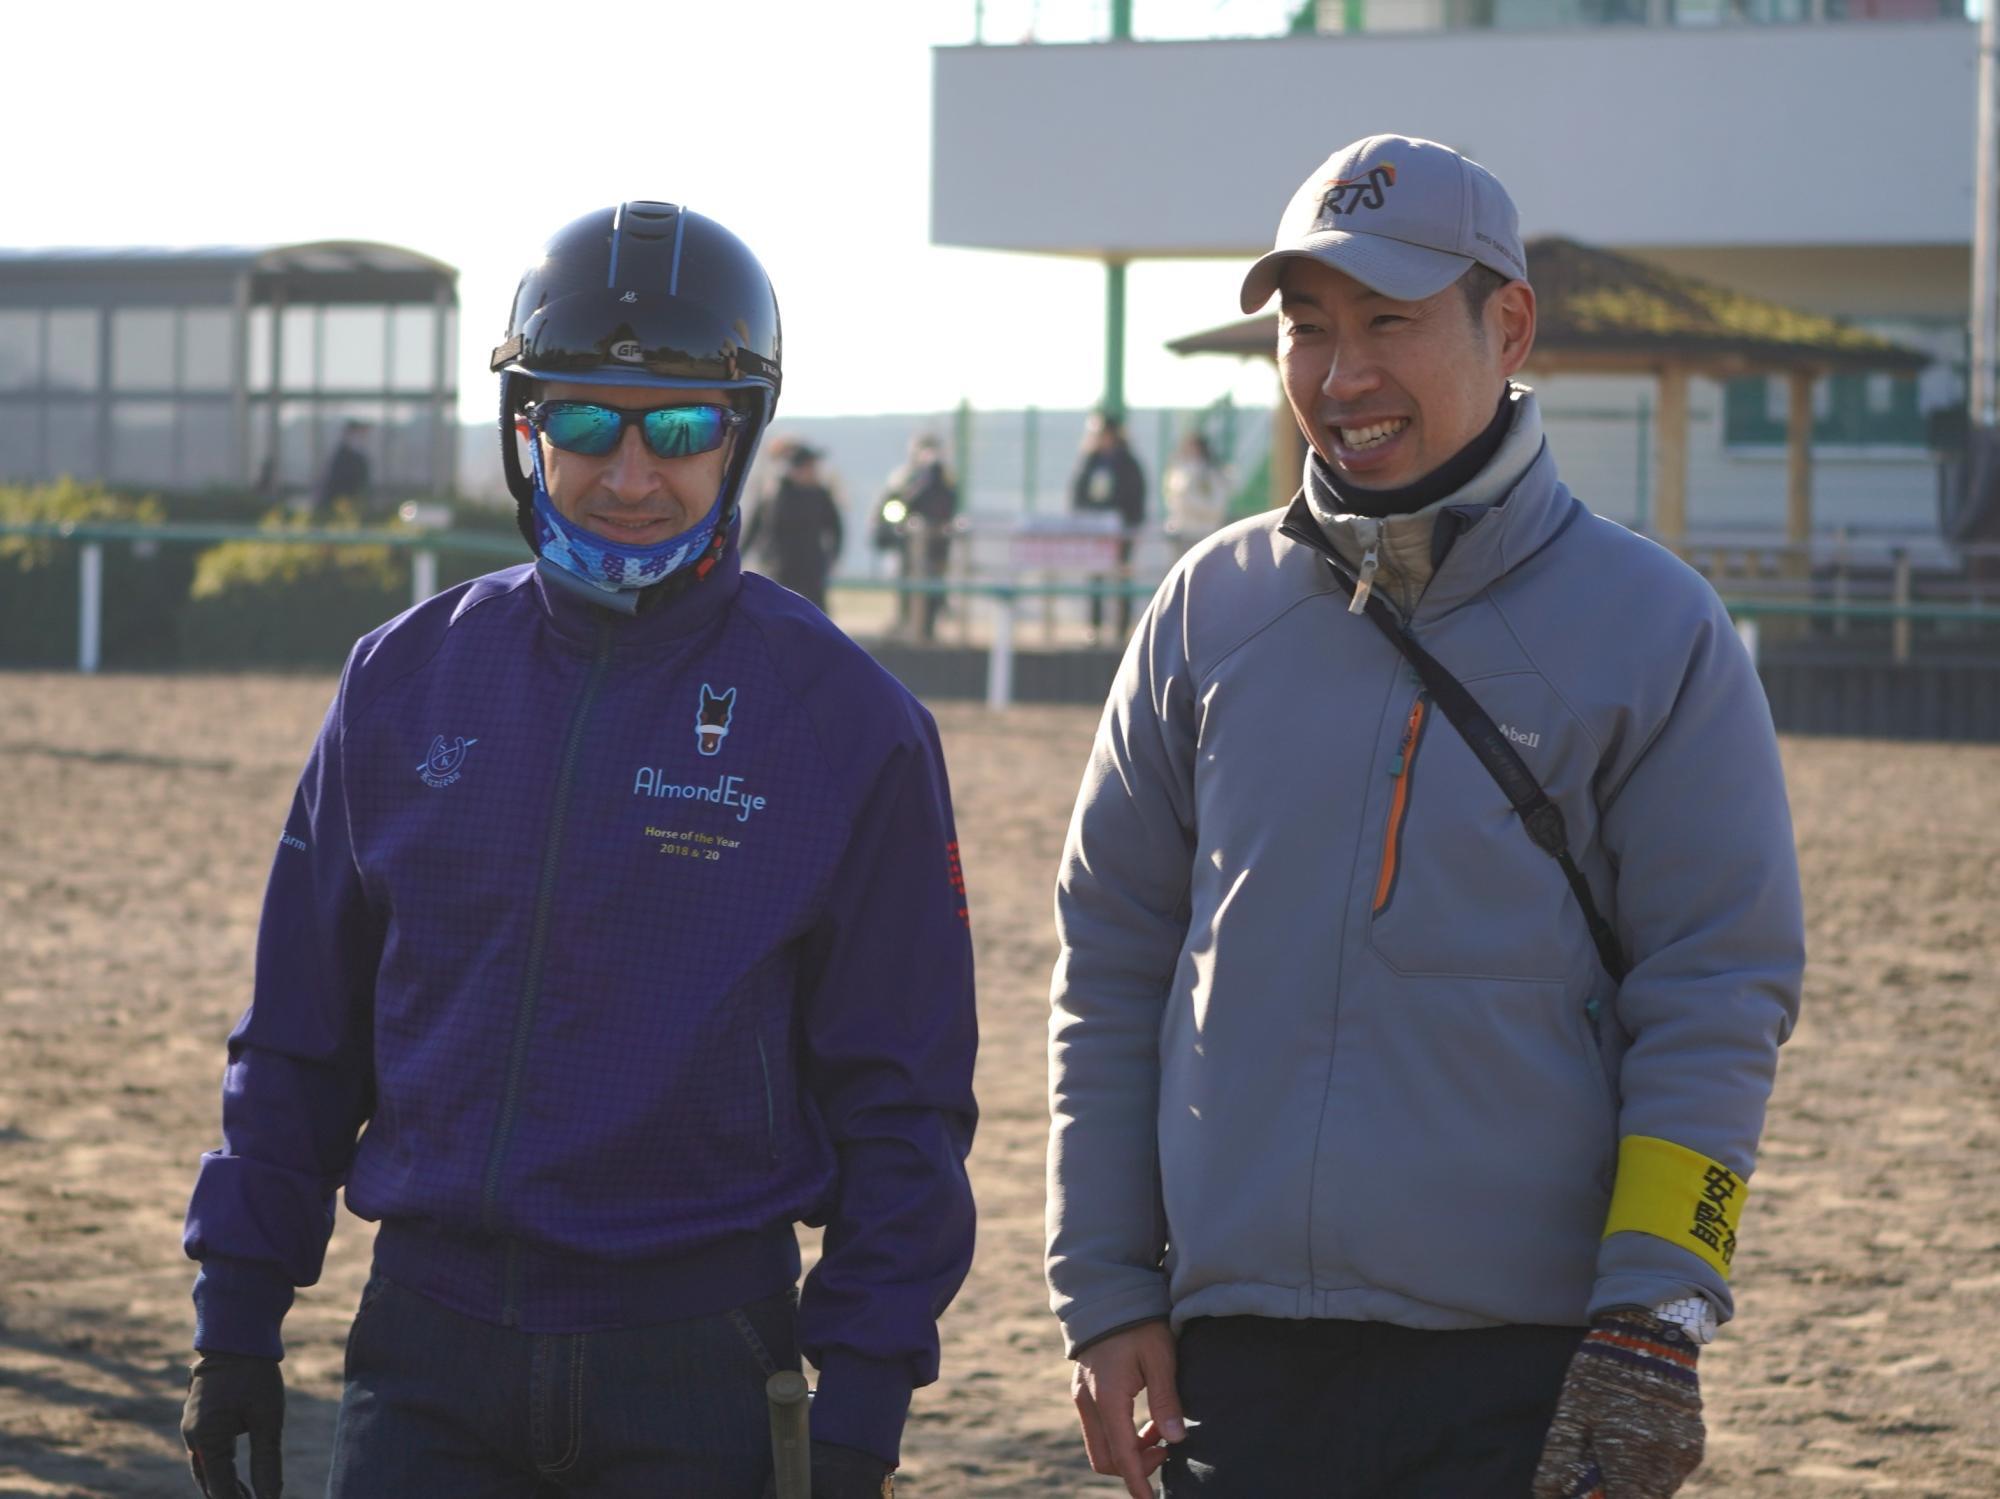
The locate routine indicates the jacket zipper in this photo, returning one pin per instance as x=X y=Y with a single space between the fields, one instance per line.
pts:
x=1371 y=558
x=1363 y=584
x=1399 y=802
x=770 y=1100
x=1309 y=535
x=531 y=981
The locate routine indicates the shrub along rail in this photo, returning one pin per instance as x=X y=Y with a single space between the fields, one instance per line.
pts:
x=335 y=580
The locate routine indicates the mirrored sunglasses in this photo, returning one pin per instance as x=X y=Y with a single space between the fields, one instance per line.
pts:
x=595 y=431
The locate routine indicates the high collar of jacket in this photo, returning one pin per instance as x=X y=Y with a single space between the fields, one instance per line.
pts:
x=1418 y=556
x=581 y=614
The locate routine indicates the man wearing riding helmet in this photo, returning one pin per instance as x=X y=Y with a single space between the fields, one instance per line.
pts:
x=620 y=902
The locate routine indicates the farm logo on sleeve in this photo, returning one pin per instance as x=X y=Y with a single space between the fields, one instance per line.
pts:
x=955 y=873
x=446 y=762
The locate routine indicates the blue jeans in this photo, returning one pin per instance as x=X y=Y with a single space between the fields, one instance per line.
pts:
x=438 y=1404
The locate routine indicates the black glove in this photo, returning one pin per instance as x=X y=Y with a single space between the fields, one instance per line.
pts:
x=232 y=1394
x=842 y=1473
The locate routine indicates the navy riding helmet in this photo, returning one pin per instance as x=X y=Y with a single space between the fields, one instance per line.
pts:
x=648 y=294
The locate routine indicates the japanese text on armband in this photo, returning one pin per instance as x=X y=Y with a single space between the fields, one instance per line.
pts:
x=1711 y=1212
x=1679 y=1195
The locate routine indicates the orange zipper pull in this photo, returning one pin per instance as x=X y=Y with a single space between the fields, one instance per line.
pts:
x=1397 y=765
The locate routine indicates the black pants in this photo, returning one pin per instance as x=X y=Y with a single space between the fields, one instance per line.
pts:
x=1123 y=575
x=937 y=556
x=1363 y=1410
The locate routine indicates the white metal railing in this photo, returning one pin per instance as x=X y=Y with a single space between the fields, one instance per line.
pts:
x=1048 y=560
x=90 y=538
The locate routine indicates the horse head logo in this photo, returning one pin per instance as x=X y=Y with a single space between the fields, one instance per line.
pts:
x=712 y=722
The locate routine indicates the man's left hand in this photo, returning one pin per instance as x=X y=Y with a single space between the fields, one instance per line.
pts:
x=845 y=1473
x=1628 y=1422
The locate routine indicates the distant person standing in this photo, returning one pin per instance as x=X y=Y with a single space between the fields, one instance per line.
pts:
x=347 y=475
x=1108 y=479
x=919 y=507
x=1196 y=491
x=797 y=532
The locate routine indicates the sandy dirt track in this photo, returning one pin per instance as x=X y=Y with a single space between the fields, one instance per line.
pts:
x=139 y=815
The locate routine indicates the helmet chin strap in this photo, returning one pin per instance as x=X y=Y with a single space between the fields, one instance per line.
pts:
x=510 y=463
x=615 y=567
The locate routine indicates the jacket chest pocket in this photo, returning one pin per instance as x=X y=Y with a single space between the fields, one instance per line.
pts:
x=1458 y=888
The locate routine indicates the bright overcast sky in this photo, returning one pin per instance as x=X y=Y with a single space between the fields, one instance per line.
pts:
x=470 y=132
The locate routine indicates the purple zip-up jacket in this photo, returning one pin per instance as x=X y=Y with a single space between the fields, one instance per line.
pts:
x=598 y=950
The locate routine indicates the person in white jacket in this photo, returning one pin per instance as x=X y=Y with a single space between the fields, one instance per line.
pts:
x=1197 y=493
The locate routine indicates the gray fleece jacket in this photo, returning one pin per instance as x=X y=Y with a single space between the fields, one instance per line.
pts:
x=1329 y=1035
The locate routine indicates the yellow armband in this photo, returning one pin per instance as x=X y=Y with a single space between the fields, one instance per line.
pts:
x=1679 y=1195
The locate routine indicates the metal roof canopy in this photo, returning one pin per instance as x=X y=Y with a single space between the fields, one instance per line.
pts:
x=319 y=271
x=269 y=281
x=1599 y=312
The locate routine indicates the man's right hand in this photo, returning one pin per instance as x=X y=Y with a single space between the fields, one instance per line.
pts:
x=232 y=1395
x=1109 y=1375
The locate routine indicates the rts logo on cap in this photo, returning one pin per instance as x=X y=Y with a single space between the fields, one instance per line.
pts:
x=1403 y=216
x=1352 y=194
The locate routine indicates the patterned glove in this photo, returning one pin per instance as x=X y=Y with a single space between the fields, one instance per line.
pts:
x=1628 y=1422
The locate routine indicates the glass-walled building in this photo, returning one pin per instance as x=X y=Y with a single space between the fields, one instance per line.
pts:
x=228 y=368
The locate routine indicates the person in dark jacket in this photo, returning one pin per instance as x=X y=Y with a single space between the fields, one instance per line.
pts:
x=797 y=529
x=616 y=927
x=919 y=507
x=1108 y=480
x=347 y=472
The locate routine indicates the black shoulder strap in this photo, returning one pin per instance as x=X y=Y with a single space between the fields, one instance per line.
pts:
x=1541 y=817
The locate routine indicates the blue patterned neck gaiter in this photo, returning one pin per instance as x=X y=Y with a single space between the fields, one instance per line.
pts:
x=610 y=565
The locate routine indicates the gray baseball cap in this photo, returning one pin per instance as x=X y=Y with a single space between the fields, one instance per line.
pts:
x=1405 y=217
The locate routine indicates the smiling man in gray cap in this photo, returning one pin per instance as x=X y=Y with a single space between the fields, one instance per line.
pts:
x=1430 y=922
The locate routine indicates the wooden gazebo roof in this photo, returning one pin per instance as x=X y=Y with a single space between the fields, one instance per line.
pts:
x=1600 y=311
